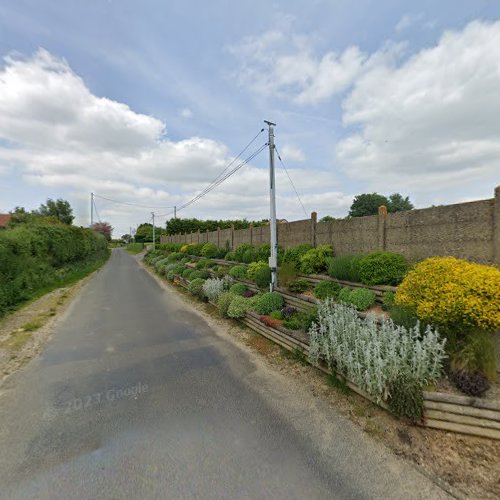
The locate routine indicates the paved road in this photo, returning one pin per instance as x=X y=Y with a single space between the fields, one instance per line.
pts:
x=137 y=397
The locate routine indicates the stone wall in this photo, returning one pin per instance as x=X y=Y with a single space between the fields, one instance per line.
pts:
x=465 y=230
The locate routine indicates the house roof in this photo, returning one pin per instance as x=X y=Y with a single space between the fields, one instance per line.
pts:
x=4 y=220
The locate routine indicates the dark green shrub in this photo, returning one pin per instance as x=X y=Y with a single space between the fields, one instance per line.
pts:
x=293 y=255
x=249 y=255
x=293 y=323
x=196 y=286
x=326 y=289
x=199 y=274
x=238 y=307
x=345 y=267
x=382 y=268
x=179 y=269
x=263 y=277
x=388 y=301
x=286 y=273
x=404 y=317
x=187 y=273
x=210 y=250
x=202 y=263
x=344 y=295
x=211 y=264
x=307 y=318
x=264 y=252
x=406 y=398
x=240 y=251
x=238 y=289
x=298 y=286
x=195 y=249
x=362 y=298
x=170 y=275
x=276 y=315
x=238 y=272
x=231 y=256
x=223 y=303
x=316 y=259
x=268 y=302
x=175 y=256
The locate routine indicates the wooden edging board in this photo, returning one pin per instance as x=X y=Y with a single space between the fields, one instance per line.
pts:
x=447 y=412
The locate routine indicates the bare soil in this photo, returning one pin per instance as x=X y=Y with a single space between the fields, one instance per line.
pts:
x=466 y=466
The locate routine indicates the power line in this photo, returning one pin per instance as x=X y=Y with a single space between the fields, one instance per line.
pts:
x=291 y=182
x=132 y=204
x=220 y=180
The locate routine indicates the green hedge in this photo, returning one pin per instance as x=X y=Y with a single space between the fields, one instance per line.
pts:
x=33 y=257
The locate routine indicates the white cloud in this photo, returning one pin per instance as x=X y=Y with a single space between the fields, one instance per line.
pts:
x=283 y=64
x=292 y=153
x=60 y=136
x=432 y=122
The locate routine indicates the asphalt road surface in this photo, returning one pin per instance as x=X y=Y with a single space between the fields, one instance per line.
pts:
x=136 y=396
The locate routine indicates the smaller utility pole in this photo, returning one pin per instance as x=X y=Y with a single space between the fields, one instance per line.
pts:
x=154 y=240
x=175 y=212
x=91 y=209
x=130 y=234
x=273 y=260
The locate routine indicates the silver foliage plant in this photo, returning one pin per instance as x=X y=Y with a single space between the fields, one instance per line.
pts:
x=372 y=354
x=212 y=288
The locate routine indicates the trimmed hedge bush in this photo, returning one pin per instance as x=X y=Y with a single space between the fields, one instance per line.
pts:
x=238 y=307
x=210 y=251
x=360 y=298
x=382 y=268
x=238 y=272
x=263 y=277
x=35 y=256
x=326 y=289
x=238 y=289
x=316 y=259
x=268 y=302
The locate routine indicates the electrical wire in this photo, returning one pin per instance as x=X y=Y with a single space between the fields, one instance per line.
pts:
x=131 y=204
x=290 y=179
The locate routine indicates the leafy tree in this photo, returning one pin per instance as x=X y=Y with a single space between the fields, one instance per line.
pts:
x=397 y=203
x=21 y=216
x=181 y=226
x=60 y=209
x=327 y=218
x=367 y=204
x=104 y=228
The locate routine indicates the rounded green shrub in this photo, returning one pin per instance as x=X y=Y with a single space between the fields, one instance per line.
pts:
x=175 y=256
x=298 y=286
x=293 y=255
x=276 y=315
x=178 y=269
x=268 y=302
x=326 y=289
x=210 y=251
x=200 y=274
x=223 y=302
x=170 y=275
x=254 y=267
x=316 y=259
x=345 y=267
x=231 y=256
x=344 y=295
x=238 y=289
x=249 y=255
x=382 y=268
x=202 y=263
x=262 y=277
x=187 y=273
x=238 y=272
x=240 y=251
x=238 y=307
x=362 y=298
x=196 y=286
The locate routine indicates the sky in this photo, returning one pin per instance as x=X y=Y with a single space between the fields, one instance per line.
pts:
x=146 y=103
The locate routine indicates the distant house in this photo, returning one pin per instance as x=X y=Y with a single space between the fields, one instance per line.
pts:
x=4 y=220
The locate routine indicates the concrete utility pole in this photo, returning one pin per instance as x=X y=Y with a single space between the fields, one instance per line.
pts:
x=91 y=209
x=130 y=235
x=175 y=212
x=154 y=240
x=273 y=260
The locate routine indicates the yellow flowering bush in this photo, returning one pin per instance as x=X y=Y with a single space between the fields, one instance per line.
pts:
x=453 y=292
x=184 y=248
